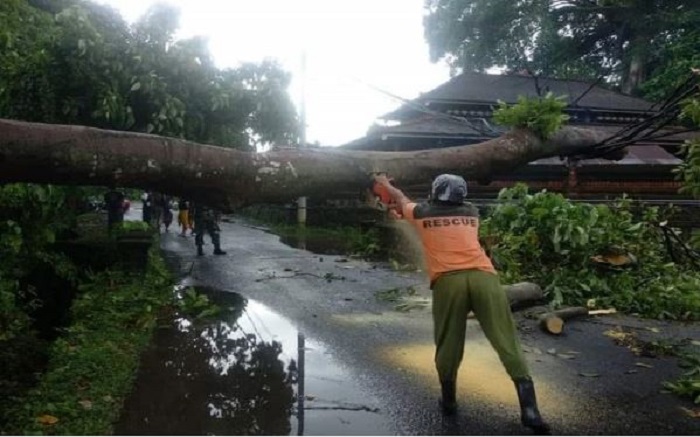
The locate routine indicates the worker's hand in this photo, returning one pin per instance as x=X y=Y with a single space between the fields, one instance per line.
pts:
x=381 y=179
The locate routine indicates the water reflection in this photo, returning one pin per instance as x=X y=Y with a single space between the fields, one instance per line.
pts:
x=237 y=374
x=212 y=378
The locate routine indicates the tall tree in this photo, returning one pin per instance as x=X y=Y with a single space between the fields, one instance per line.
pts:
x=78 y=62
x=620 y=40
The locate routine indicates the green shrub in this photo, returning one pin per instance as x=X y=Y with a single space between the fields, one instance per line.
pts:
x=92 y=365
x=688 y=385
x=547 y=239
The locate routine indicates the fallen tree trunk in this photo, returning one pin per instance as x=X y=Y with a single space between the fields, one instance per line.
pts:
x=78 y=155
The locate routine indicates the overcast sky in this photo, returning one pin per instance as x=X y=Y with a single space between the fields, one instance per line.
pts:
x=348 y=44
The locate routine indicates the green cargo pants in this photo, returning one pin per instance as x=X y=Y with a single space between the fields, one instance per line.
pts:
x=454 y=295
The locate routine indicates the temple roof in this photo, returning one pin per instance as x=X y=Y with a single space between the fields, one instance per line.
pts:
x=636 y=155
x=489 y=88
x=429 y=126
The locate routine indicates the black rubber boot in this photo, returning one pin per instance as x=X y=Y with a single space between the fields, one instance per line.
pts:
x=448 y=402
x=200 y=252
x=529 y=413
x=218 y=251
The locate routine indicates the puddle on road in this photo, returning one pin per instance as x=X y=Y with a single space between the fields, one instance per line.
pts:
x=239 y=375
x=317 y=245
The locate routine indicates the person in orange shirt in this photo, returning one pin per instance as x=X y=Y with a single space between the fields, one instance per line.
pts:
x=463 y=279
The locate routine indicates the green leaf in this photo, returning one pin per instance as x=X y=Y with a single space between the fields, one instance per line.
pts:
x=635 y=227
x=136 y=86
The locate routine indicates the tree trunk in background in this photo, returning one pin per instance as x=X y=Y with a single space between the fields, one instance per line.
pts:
x=635 y=72
x=78 y=155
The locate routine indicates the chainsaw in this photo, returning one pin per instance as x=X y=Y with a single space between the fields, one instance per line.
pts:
x=381 y=199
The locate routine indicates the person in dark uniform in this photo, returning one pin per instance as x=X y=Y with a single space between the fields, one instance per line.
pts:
x=206 y=220
x=463 y=279
x=147 y=200
x=156 y=209
x=167 y=213
x=114 y=203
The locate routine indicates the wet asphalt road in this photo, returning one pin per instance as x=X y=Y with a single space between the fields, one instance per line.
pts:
x=586 y=383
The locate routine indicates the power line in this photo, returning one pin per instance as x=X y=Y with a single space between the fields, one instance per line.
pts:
x=486 y=129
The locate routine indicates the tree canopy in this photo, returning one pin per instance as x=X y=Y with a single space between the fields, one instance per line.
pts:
x=624 y=41
x=78 y=62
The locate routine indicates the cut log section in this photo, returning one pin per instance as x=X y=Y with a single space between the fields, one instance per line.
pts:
x=553 y=322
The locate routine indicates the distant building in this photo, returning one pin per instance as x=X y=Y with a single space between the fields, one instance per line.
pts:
x=459 y=112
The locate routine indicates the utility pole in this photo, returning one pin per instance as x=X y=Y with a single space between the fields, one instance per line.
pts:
x=301 y=201
x=301 y=348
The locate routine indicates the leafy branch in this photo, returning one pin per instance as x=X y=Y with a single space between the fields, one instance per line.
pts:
x=543 y=115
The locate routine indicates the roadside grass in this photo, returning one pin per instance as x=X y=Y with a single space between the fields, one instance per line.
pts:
x=92 y=365
x=688 y=384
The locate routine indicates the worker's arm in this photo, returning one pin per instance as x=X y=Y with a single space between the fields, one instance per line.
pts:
x=397 y=195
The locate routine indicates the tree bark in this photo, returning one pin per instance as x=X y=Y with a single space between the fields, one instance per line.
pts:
x=78 y=155
x=634 y=73
x=523 y=294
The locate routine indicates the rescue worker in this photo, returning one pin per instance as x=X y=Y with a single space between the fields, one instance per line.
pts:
x=463 y=279
x=205 y=220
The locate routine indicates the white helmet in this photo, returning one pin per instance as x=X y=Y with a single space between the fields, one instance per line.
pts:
x=449 y=188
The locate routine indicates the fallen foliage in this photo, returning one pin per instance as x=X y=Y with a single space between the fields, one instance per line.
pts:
x=580 y=251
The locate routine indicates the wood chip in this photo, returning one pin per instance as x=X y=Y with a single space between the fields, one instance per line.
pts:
x=645 y=365
x=47 y=419
x=602 y=312
x=551 y=351
x=692 y=413
x=566 y=356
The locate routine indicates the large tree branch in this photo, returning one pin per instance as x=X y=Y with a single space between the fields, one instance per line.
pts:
x=78 y=155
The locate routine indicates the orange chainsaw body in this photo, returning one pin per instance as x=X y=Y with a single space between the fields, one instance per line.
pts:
x=386 y=201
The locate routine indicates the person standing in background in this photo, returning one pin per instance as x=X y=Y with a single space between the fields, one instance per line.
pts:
x=114 y=203
x=156 y=209
x=147 y=201
x=167 y=213
x=183 y=218
x=206 y=221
